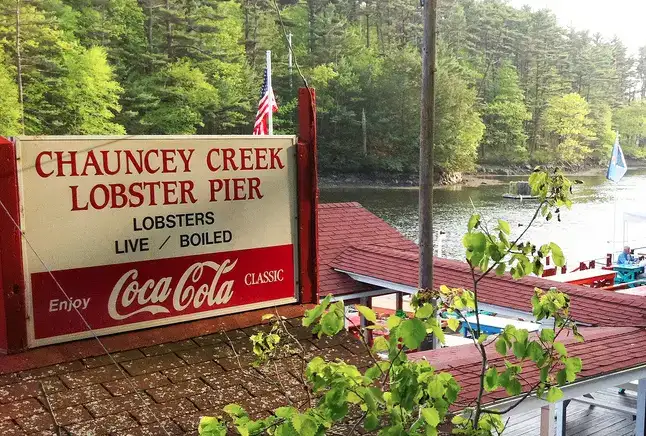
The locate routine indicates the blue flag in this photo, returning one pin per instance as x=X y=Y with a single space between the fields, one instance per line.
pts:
x=617 y=167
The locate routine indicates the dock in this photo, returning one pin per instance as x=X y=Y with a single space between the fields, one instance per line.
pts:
x=584 y=419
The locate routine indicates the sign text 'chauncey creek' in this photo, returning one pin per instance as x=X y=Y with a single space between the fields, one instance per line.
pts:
x=157 y=161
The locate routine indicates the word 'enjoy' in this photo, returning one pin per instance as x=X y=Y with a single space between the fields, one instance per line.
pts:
x=57 y=305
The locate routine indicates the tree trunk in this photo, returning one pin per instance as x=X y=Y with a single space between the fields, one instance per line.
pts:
x=21 y=94
x=169 y=32
x=310 y=11
x=150 y=26
x=427 y=124
x=364 y=127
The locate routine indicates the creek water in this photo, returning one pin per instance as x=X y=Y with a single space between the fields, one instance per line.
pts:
x=586 y=231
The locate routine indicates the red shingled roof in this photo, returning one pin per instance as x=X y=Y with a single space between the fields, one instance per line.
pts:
x=354 y=240
x=590 y=306
x=343 y=225
x=604 y=351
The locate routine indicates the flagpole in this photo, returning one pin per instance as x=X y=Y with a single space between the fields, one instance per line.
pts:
x=614 y=222
x=270 y=116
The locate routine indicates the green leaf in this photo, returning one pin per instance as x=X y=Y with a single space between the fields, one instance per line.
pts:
x=521 y=335
x=412 y=332
x=573 y=364
x=501 y=268
x=520 y=350
x=425 y=311
x=491 y=379
x=234 y=410
x=392 y=430
x=334 y=320
x=561 y=377
x=314 y=313
x=572 y=367
x=545 y=372
x=439 y=333
x=548 y=335
x=393 y=321
x=286 y=429
x=371 y=422
x=373 y=372
x=474 y=221
x=557 y=254
x=367 y=313
x=560 y=348
x=535 y=351
x=501 y=346
x=379 y=344
x=513 y=387
x=335 y=400
x=504 y=227
x=453 y=324
x=475 y=242
x=210 y=426
x=554 y=394
x=304 y=425
x=431 y=416
x=285 y=412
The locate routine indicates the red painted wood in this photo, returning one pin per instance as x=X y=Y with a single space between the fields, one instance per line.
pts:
x=592 y=280
x=188 y=286
x=13 y=327
x=308 y=196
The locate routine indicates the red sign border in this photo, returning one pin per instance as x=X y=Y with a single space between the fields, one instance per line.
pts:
x=13 y=318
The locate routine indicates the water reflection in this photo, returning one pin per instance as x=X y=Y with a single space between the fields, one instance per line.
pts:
x=585 y=232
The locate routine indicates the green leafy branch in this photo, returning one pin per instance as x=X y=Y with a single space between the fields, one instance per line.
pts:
x=397 y=396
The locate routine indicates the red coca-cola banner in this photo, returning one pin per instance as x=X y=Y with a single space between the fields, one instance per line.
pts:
x=152 y=292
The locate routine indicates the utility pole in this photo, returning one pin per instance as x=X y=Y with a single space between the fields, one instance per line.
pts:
x=427 y=121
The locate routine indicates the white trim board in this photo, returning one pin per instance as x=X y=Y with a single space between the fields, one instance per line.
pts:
x=574 y=390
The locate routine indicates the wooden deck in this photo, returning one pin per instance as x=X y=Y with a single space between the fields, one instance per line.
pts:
x=584 y=420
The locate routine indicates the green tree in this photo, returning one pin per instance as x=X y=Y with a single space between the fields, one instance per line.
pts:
x=568 y=127
x=459 y=128
x=641 y=72
x=505 y=117
x=630 y=122
x=173 y=100
x=10 y=114
x=601 y=125
x=90 y=93
x=34 y=45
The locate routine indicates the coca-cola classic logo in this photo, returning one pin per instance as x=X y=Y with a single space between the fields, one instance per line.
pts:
x=130 y=297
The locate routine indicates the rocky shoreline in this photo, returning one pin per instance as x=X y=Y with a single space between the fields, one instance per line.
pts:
x=484 y=175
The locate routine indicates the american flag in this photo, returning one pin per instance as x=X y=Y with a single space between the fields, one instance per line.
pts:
x=267 y=103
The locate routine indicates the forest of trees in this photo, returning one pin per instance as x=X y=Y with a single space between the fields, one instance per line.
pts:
x=513 y=87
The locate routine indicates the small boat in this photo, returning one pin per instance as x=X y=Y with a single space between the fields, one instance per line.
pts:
x=519 y=191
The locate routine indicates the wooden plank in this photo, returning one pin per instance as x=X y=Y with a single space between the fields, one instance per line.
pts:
x=582 y=420
x=547 y=420
x=640 y=425
x=604 y=405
